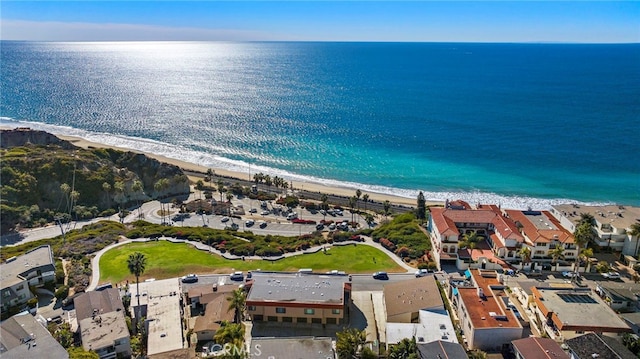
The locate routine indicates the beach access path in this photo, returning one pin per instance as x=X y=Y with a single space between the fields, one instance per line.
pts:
x=95 y=261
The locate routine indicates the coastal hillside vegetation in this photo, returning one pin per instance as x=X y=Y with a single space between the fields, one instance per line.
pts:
x=403 y=236
x=45 y=179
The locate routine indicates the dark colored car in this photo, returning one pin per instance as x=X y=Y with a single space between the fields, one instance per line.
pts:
x=381 y=275
x=190 y=278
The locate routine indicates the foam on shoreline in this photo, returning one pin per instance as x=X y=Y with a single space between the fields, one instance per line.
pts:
x=201 y=161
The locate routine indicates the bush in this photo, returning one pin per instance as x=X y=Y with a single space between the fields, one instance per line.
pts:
x=62 y=292
x=32 y=303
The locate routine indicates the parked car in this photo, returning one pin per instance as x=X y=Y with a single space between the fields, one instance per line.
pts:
x=381 y=275
x=421 y=273
x=264 y=213
x=237 y=276
x=570 y=274
x=611 y=275
x=190 y=278
x=225 y=219
x=263 y=224
x=320 y=227
x=249 y=222
x=253 y=210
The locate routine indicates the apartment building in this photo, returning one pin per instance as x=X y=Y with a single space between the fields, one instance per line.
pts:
x=17 y=274
x=102 y=324
x=613 y=224
x=22 y=336
x=299 y=298
x=486 y=321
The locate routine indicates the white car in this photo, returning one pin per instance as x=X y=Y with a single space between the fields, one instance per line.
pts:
x=611 y=275
x=264 y=213
x=570 y=274
x=225 y=219
x=421 y=273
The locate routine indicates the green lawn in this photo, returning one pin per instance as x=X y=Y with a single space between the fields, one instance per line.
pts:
x=167 y=260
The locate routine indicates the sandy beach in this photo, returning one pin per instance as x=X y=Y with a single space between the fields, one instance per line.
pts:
x=308 y=186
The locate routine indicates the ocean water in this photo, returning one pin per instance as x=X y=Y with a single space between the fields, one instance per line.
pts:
x=523 y=125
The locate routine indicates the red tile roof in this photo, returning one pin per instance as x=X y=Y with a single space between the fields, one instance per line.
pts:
x=541 y=235
x=481 y=310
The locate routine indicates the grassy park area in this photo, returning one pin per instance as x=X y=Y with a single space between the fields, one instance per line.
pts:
x=167 y=260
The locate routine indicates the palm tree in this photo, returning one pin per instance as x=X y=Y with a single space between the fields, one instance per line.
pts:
x=352 y=205
x=365 y=199
x=583 y=234
x=470 y=240
x=160 y=187
x=136 y=264
x=120 y=188
x=557 y=253
x=200 y=187
x=525 y=254
x=236 y=303
x=220 y=189
x=386 y=205
x=584 y=256
x=209 y=176
x=232 y=334
x=635 y=232
x=358 y=194
x=136 y=187
x=349 y=342
x=106 y=187
x=324 y=198
x=406 y=349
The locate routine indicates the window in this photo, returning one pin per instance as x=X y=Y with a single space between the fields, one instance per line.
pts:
x=335 y=311
x=332 y=321
x=120 y=341
x=6 y=293
x=310 y=311
x=287 y=319
x=258 y=318
x=301 y=320
x=280 y=310
x=272 y=318
x=251 y=308
x=20 y=287
x=316 y=320
x=541 y=244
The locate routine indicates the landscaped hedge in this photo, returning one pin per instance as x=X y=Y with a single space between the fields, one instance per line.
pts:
x=403 y=231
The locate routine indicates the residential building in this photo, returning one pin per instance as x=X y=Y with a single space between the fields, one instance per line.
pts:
x=486 y=321
x=22 y=336
x=613 y=224
x=211 y=301
x=542 y=233
x=448 y=225
x=440 y=350
x=632 y=320
x=34 y=268
x=102 y=324
x=565 y=313
x=592 y=346
x=414 y=308
x=292 y=348
x=537 y=348
x=299 y=298
x=619 y=296
x=160 y=302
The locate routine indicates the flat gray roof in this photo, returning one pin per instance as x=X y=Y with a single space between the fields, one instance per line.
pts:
x=103 y=330
x=10 y=271
x=162 y=298
x=580 y=308
x=297 y=287
x=22 y=336
x=293 y=348
x=617 y=216
x=540 y=220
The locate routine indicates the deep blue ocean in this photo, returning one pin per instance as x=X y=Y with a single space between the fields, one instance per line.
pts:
x=516 y=124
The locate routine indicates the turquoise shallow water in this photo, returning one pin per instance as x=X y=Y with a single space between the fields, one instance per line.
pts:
x=519 y=124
